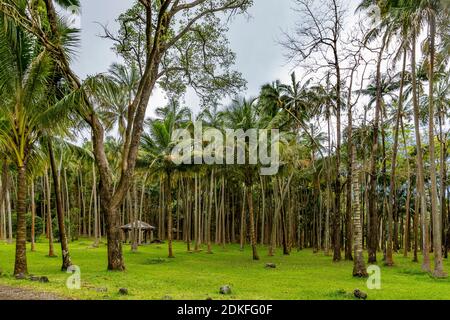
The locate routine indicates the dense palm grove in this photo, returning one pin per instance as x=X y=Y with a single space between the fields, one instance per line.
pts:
x=364 y=127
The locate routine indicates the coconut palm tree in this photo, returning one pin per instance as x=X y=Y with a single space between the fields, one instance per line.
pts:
x=156 y=154
x=420 y=13
x=242 y=114
x=433 y=9
x=28 y=111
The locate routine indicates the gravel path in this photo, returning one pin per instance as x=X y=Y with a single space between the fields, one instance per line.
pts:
x=14 y=293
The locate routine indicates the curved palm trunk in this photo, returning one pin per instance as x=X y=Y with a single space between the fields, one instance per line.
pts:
x=66 y=262
x=20 y=266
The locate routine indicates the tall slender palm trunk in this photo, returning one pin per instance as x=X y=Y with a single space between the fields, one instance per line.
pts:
x=95 y=202
x=66 y=261
x=329 y=193
x=391 y=202
x=135 y=215
x=196 y=212
x=407 y=232
x=33 y=217
x=435 y=212
x=359 y=267
x=9 y=213
x=420 y=174
x=263 y=211
x=337 y=185
x=169 y=216
x=210 y=206
x=20 y=265
x=372 y=243
x=252 y=222
x=242 y=231
x=51 y=249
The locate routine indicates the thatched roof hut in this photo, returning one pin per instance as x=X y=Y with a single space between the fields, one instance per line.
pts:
x=145 y=230
x=137 y=225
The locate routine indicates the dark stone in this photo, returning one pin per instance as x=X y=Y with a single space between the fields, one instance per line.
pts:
x=359 y=294
x=35 y=278
x=20 y=276
x=123 y=291
x=225 y=290
x=44 y=279
x=271 y=265
x=209 y=299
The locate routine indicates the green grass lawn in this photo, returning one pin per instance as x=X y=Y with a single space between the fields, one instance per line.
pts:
x=150 y=275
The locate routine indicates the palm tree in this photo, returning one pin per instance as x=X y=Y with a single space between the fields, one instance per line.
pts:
x=432 y=9
x=26 y=80
x=114 y=93
x=420 y=12
x=383 y=27
x=442 y=98
x=182 y=115
x=359 y=267
x=156 y=153
x=212 y=116
x=242 y=114
x=415 y=25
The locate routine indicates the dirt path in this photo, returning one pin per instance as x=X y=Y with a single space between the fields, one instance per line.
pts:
x=14 y=293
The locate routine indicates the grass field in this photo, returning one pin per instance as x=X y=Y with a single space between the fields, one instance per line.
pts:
x=150 y=275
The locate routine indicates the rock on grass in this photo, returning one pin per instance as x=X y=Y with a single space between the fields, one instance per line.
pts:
x=359 y=294
x=225 y=290
x=123 y=291
x=43 y=279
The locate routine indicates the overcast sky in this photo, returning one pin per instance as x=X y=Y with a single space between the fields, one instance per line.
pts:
x=254 y=40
